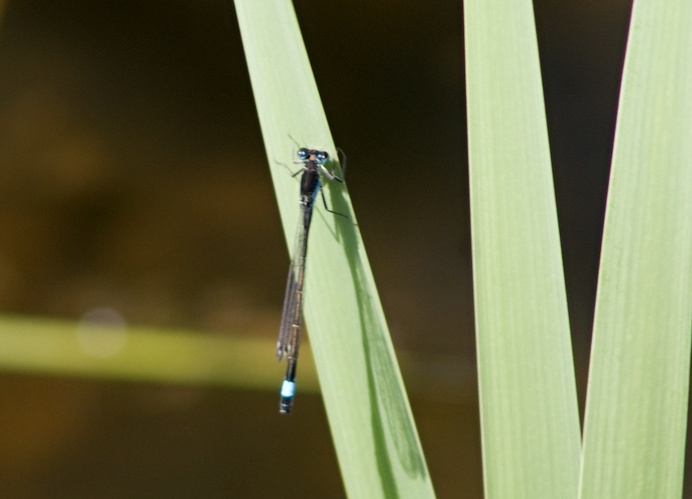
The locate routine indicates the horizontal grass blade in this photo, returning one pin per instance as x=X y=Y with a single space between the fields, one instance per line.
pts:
x=119 y=351
x=371 y=423
x=635 y=424
x=529 y=413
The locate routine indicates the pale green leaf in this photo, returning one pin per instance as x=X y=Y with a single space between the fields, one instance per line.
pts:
x=529 y=413
x=373 y=430
x=635 y=424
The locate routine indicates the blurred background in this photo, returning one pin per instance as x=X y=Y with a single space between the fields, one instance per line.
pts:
x=133 y=178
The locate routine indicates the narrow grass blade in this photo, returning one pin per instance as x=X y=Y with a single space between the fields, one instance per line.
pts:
x=119 y=351
x=529 y=413
x=634 y=434
x=375 y=438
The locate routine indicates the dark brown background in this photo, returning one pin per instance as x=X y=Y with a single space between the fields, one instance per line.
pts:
x=132 y=175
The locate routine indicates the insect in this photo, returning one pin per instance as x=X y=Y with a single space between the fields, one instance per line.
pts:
x=291 y=319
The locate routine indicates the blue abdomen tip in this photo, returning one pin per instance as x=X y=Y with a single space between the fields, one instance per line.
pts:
x=288 y=389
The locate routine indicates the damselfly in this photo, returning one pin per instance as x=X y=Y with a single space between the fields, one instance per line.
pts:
x=292 y=316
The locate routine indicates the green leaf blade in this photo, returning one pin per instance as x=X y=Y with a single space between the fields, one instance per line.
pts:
x=375 y=438
x=636 y=415
x=529 y=414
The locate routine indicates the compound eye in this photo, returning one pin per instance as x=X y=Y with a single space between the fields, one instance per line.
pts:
x=303 y=154
x=322 y=157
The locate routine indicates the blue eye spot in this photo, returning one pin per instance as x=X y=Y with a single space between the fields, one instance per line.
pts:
x=303 y=153
x=322 y=157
